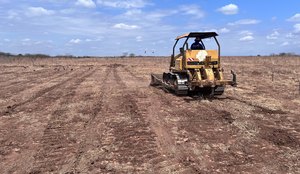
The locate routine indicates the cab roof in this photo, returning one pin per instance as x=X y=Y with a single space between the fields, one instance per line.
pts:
x=201 y=35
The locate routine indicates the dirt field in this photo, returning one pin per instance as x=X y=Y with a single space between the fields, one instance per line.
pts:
x=101 y=116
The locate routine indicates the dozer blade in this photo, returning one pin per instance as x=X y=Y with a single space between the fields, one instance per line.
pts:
x=156 y=79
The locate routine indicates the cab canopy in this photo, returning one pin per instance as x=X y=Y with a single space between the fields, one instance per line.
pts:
x=201 y=35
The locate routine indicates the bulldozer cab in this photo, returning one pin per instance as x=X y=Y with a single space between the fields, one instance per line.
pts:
x=188 y=58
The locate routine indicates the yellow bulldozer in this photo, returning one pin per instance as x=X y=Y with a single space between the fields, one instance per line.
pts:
x=195 y=69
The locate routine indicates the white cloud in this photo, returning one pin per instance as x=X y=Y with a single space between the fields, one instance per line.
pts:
x=6 y=40
x=26 y=40
x=38 y=11
x=139 y=38
x=133 y=12
x=297 y=28
x=246 y=35
x=247 y=38
x=86 y=3
x=290 y=35
x=246 y=32
x=158 y=15
x=224 y=30
x=285 y=43
x=125 y=26
x=273 y=36
x=295 y=18
x=146 y=17
x=245 y=22
x=229 y=9
x=210 y=30
x=123 y=4
x=93 y=40
x=192 y=10
x=13 y=15
x=38 y=42
x=75 y=41
x=274 y=18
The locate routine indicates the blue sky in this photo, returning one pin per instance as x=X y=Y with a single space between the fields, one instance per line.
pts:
x=112 y=27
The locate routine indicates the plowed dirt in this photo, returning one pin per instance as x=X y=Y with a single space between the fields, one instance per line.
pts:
x=101 y=116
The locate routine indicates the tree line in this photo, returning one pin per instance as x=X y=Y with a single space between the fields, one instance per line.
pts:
x=4 y=54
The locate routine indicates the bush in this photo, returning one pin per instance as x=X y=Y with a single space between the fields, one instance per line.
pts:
x=284 y=54
x=131 y=55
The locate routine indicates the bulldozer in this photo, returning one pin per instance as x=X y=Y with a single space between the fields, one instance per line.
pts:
x=195 y=70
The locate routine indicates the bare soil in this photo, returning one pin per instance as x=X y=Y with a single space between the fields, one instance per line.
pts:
x=101 y=116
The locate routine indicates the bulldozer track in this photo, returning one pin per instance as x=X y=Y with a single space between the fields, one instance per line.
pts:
x=190 y=121
x=117 y=77
x=263 y=109
x=50 y=97
x=56 y=143
x=182 y=160
x=134 y=74
x=133 y=141
x=20 y=73
x=27 y=74
x=269 y=126
x=40 y=93
x=88 y=128
x=20 y=86
x=158 y=162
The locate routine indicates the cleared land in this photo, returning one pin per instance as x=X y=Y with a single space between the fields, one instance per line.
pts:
x=101 y=116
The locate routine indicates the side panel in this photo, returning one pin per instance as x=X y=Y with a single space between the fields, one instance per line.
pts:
x=214 y=54
x=178 y=64
x=197 y=58
x=201 y=54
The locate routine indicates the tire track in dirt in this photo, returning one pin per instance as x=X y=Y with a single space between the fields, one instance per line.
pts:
x=40 y=93
x=6 y=73
x=259 y=108
x=251 y=150
x=193 y=122
x=43 y=109
x=16 y=75
x=88 y=126
x=270 y=128
x=138 y=141
x=133 y=74
x=240 y=155
x=57 y=144
x=20 y=86
x=171 y=159
x=181 y=158
x=127 y=143
x=40 y=114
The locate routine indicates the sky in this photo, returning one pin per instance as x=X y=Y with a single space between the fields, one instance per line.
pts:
x=146 y=27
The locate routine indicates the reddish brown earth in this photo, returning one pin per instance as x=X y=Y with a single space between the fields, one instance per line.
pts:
x=101 y=116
